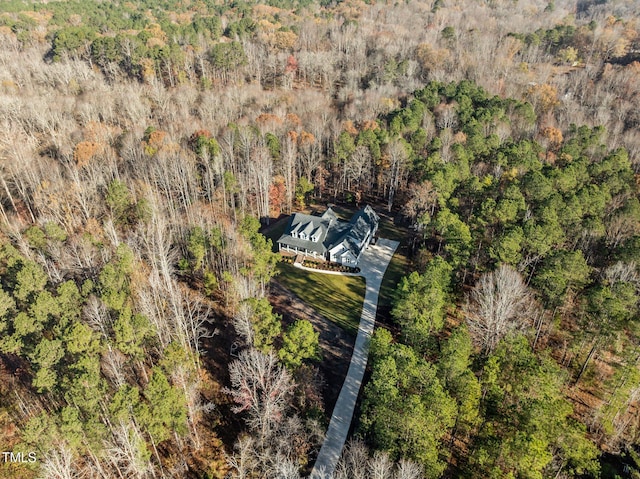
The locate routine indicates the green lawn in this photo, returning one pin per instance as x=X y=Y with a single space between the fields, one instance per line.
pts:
x=337 y=298
x=398 y=267
x=388 y=229
x=344 y=212
x=344 y=305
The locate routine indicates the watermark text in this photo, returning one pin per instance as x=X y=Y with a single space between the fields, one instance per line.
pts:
x=18 y=457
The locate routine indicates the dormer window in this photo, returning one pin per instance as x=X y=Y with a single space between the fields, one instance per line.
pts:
x=303 y=236
x=316 y=234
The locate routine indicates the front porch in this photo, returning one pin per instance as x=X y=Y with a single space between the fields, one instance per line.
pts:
x=292 y=251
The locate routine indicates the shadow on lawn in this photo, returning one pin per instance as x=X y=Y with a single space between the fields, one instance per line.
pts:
x=338 y=298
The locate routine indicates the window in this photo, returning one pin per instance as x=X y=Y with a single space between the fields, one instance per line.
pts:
x=303 y=236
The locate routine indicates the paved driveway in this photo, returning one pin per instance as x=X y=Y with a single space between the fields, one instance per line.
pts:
x=373 y=264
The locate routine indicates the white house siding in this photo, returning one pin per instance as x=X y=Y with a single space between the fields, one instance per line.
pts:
x=339 y=254
x=335 y=253
x=348 y=258
x=306 y=235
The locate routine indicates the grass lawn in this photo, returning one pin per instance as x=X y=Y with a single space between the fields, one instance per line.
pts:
x=388 y=229
x=400 y=263
x=344 y=212
x=337 y=298
x=398 y=267
x=344 y=304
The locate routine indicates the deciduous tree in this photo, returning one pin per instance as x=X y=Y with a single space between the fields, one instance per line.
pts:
x=499 y=304
x=261 y=387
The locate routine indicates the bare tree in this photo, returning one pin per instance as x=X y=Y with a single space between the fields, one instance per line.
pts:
x=261 y=386
x=59 y=464
x=356 y=463
x=359 y=169
x=288 y=167
x=279 y=456
x=397 y=166
x=286 y=469
x=261 y=172
x=96 y=315
x=422 y=203
x=114 y=365
x=622 y=272
x=126 y=451
x=619 y=228
x=380 y=466
x=242 y=322
x=198 y=322
x=292 y=440
x=499 y=304
x=407 y=469
x=243 y=461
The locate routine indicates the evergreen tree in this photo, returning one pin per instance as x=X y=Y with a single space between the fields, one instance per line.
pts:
x=299 y=342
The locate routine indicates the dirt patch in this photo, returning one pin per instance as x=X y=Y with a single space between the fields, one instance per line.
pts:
x=336 y=345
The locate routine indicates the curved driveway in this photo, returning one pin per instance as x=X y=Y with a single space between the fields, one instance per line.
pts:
x=373 y=264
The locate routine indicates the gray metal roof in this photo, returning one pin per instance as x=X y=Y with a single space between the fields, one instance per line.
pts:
x=330 y=215
x=331 y=230
x=356 y=230
x=307 y=224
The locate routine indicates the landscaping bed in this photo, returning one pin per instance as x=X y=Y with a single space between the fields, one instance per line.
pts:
x=327 y=266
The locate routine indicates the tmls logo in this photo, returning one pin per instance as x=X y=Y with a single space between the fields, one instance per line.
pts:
x=20 y=457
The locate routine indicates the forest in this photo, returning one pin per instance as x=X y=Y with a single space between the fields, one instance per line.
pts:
x=146 y=146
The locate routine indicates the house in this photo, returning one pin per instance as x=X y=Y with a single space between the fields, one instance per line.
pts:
x=328 y=238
